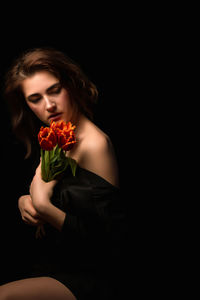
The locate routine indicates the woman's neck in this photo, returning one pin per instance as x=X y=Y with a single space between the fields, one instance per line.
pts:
x=80 y=124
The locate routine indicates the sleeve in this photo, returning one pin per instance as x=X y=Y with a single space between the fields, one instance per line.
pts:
x=92 y=212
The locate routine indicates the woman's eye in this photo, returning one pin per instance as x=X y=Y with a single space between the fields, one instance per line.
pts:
x=56 y=90
x=34 y=100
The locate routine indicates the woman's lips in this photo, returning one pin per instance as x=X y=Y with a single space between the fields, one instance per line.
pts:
x=55 y=117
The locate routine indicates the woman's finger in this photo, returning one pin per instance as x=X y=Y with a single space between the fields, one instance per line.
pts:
x=32 y=212
x=30 y=220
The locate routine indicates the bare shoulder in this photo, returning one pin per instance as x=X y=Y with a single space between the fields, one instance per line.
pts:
x=98 y=155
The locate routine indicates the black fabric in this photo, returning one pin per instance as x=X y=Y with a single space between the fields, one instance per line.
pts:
x=85 y=255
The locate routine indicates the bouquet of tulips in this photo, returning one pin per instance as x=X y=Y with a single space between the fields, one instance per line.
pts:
x=55 y=141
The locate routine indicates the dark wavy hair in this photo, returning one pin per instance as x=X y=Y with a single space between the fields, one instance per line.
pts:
x=83 y=93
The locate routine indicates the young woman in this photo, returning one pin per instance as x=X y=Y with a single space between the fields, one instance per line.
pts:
x=82 y=215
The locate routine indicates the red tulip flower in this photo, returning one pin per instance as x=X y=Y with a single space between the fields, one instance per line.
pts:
x=47 y=138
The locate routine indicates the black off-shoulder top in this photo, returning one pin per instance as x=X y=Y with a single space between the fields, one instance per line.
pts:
x=85 y=254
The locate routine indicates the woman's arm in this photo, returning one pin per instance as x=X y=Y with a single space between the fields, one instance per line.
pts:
x=41 y=192
x=29 y=214
x=53 y=215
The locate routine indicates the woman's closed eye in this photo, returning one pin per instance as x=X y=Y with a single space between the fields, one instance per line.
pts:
x=34 y=99
x=55 y=90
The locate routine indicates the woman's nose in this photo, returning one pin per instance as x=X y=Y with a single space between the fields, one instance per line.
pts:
x=50 y=104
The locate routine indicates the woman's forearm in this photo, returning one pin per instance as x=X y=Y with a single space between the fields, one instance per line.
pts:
x=53 y=215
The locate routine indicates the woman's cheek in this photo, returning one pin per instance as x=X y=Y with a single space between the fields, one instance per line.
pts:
x=40 y=114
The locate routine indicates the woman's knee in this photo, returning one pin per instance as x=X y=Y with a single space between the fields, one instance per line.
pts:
x=4 y=293
x=7 y=292
x=36 y=288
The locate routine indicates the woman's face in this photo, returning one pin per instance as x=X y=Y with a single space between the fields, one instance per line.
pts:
x=47 y=98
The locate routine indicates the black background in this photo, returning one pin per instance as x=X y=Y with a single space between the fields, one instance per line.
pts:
x=103 y=45
x=128 y=53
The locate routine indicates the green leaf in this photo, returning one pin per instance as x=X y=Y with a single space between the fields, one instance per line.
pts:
x=47 y=165
x=43 y=169
x=73 y=165
x=54 y=163
x=60 y=170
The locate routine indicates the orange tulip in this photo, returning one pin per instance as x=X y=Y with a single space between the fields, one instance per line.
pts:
x=61 y=125
x=66 y=140
x=65 y=134
x=47 y=138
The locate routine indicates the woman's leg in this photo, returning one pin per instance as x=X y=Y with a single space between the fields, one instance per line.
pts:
x=40 y=288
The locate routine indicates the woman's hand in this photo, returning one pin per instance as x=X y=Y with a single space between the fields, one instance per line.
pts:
x=41 y=191
x=28 y=212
